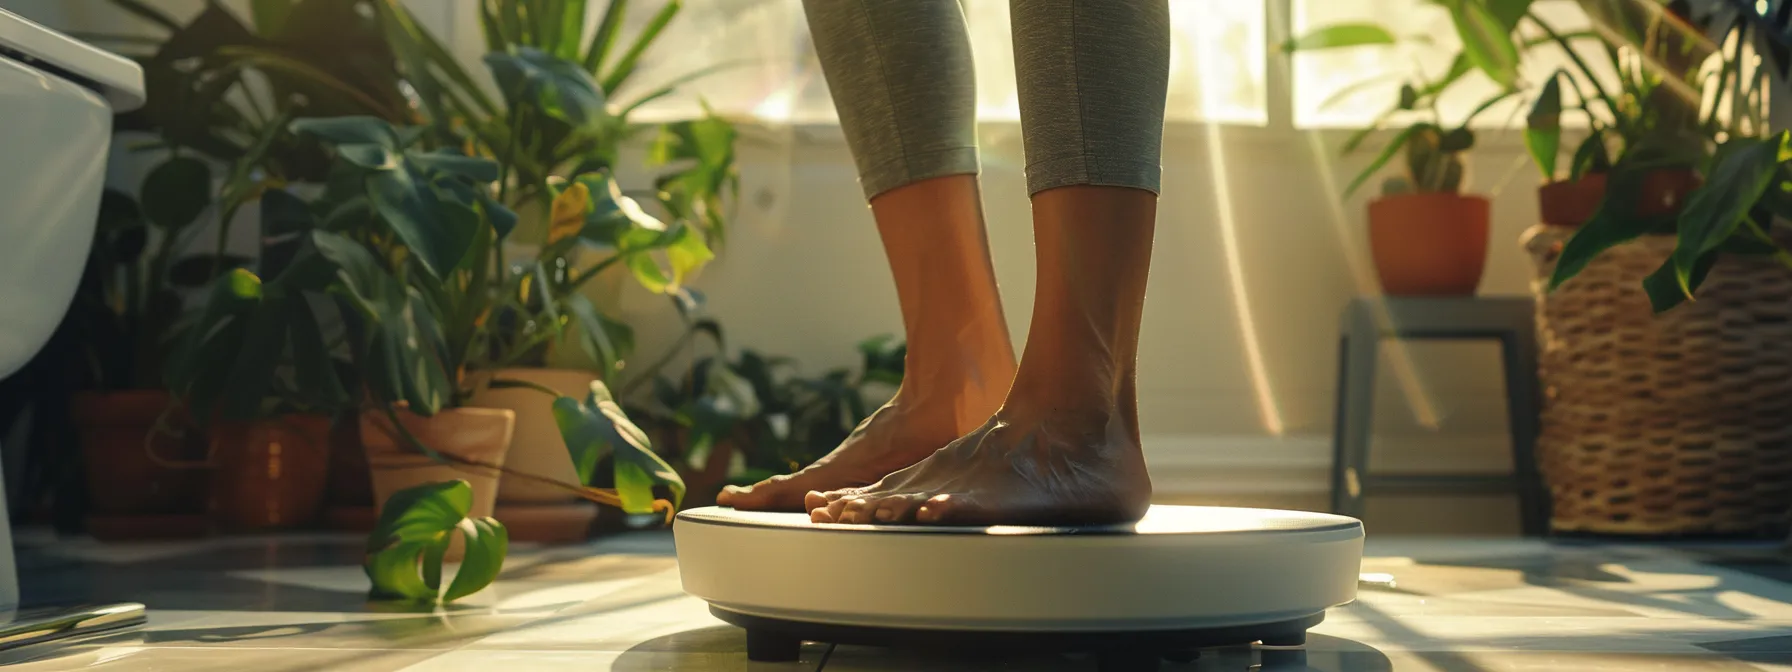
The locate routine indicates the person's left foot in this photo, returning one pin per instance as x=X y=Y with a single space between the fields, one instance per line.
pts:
x=1031 y=464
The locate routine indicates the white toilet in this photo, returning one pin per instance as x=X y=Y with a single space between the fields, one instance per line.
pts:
x=57 y=98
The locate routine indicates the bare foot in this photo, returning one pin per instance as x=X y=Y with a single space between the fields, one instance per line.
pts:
x=896 y=436
x=1029 y=465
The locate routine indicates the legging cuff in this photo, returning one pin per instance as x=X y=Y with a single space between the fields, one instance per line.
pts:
x=1087 y=170
x=914 y=167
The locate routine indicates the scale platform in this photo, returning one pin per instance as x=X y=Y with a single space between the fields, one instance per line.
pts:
x=1181 y=579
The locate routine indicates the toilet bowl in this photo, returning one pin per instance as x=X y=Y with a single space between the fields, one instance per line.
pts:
x=57 y=98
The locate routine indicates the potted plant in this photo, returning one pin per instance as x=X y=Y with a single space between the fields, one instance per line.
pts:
x=1427 y=238
x=256 y=372
x=1644 y=121
x=737 y=421
x=556 y=133
x=1678 y=448
x=225 y=140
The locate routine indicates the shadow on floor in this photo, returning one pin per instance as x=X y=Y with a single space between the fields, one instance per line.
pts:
x=727 y=645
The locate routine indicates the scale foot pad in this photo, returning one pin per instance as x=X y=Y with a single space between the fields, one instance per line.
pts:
x=781 y=640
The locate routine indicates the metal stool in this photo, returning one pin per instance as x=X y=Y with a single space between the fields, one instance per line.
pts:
x=1367 y=320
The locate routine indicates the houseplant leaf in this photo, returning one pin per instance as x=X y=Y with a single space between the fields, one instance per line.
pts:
x=1614 y=223
x=414 y=530
x=176 y=192
x=1543 y=128
x=560 y=88
x=1486 y=41
x=487 y=542
x=595 y=427
x=1340 y=35
x=1745 y=169
x=349 y=131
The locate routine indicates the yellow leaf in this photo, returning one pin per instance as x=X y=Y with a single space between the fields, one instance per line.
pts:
x=569 y=212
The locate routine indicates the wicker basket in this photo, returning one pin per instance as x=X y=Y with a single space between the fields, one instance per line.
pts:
x=1664 y=425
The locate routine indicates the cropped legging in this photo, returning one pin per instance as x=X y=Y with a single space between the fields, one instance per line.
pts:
x=1092 y=76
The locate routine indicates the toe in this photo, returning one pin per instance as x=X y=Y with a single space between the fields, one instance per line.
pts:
x=897 y=509
x=736 y=496
x=935 y=509
x=815 y=500
x=858 y=511
x=837 y=509
x=820 y=515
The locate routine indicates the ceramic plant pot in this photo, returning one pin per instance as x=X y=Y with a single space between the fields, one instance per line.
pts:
x=1429 y=244
x=1571 y=204
x=143 y=465
x=269 y=474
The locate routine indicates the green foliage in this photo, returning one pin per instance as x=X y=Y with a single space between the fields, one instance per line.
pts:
x=406 y=547
x=778 y=421
x=595 y=428
x=1744 y=168
x=1543 y=127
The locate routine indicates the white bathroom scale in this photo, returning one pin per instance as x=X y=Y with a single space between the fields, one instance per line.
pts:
x=1181 y=579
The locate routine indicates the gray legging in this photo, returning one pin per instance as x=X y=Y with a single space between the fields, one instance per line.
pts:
x=1092 y=77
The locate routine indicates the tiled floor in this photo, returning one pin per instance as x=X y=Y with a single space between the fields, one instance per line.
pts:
x=296 y=603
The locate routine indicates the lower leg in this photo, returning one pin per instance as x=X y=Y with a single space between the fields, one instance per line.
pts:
x=1064 y=448
x=960 y=360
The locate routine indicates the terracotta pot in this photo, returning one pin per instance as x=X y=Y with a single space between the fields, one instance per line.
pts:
x=478 y=434
x=535 y=446
x=1429 y=244
x=270 y=473
x=1573 y=203
x=348 y=495
x=135 y=470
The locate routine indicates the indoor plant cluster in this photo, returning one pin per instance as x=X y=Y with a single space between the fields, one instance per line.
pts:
x=1647 y=428
x=426 y=247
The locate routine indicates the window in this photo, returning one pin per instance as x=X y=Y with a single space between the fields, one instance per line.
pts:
x=1217 y=61
x=1349 y=87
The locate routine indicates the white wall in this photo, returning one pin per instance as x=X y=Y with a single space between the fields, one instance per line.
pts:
x=803 y=275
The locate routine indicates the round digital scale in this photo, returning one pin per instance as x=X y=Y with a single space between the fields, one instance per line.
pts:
x=1181 y=579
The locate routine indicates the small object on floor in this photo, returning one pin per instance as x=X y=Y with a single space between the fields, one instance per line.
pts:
x=1182 y=579
x=32 y=633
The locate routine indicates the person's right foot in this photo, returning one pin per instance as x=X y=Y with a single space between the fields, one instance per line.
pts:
x=896 y=436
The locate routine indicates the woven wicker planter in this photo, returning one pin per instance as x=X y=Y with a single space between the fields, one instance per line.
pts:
x=1672 y=424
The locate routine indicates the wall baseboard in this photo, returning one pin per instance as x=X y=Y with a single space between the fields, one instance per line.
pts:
x=1188 y=464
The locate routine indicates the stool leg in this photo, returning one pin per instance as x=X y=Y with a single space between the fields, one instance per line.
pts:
x=1519 y=352
x=1352 y=427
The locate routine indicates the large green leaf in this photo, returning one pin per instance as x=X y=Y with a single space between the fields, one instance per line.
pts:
x=176 y=192
x=1508 y=12
x=561 y=88
x=1614 y=223
x=1714 y=211
x=407 y=205
x=403 y=355
x=1486 y=41
x=595 y=427
x=1340 y=35
x=404 y=551
x=1543 y=128
x=350 y=130
x=487 y=542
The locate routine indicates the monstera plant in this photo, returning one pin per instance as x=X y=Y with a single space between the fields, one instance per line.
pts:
x=556 y=128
